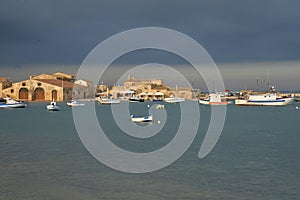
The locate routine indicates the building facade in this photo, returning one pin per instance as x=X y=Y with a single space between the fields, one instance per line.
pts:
x=4 y=83
x=40 y=90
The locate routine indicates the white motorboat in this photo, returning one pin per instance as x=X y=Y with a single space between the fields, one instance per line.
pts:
x=11 y=103
x=214 y=99
x=74 y=103
x=174 y=100
x=52 y=106
x=108 y=101
x=267 y=99
x=136 y=99
x=148 y=118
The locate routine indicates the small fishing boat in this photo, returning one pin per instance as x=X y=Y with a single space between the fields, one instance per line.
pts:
x=267 y=99
x=52 y=106
x=11 y=103
x=136 y=99
x=74 y=103
x=148 y=118
x=214 y=99
x=108 y=101
x=174 y=100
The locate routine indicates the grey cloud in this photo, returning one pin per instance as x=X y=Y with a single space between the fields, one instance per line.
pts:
x=63 y=32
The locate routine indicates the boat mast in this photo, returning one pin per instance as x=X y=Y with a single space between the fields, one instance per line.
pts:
x=62 y=86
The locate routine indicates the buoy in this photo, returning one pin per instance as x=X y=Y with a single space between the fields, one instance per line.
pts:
x=158 y=121
x=297 y=107
x=148 y=106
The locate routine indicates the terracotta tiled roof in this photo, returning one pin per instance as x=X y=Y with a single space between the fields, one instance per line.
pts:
x=3 y=79
x=59 y=83
x=142 y=80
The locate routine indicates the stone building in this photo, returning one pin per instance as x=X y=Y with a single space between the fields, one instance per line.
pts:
x=47 y=87
x=83 y=89
x=40 y=90
x=136 y=83
x=4 y=83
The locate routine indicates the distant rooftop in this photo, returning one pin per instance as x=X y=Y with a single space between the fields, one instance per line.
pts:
x=59 y=83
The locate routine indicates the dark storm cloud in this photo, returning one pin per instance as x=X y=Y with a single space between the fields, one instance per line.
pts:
x=63 y=32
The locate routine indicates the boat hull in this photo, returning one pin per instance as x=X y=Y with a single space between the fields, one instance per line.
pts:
x=204 y=102
x=52 y=108
x=141 y=119
x=277 y=102
x=109 y=101
x=17 y=105
x=174 y=100
x=71 y=104
x=136 y=100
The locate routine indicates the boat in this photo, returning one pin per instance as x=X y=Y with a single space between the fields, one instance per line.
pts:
x=214 y=99
x=52 y=106
x=136 y=99
x=157 y=100
x=74 y=103
x=108 y=101
x=267 y=99
x=148 y=118
x=174 y=100
x=11 y=103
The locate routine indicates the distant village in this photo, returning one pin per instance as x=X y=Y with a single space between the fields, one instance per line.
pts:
x=63 y=87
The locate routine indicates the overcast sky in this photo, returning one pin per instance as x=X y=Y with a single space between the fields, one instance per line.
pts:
x=58 y=35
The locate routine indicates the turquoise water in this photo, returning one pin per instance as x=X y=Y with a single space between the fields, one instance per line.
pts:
x=256 y=157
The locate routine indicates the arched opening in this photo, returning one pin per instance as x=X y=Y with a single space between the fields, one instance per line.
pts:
x=39 y=94
x=54 y=95
x=23 y=93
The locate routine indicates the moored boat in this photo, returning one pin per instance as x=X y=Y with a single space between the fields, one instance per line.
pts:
x=148 y=118
x=267 y=99
x=136 y=99
x=174 y=100
x=11 y=103
x=74 y=103
x=108 y=101
x=214 y=99
x=53 y=106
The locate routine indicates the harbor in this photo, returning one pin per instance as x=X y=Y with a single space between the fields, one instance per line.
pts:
x=61 y=86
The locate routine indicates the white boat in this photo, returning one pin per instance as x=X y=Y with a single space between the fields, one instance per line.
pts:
x=74 y=103
x=214 y=99
x=108 y=101
x=267 y=99
x=136 y=99
x=148 y=118
x=52 y=106
x=11 y=103
x=174 y=100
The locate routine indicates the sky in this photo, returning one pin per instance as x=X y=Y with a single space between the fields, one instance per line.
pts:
x=244 y=38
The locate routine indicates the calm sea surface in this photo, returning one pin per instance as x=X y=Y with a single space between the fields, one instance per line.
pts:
x=256 y=157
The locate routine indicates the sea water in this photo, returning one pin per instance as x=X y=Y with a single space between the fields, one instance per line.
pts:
x=256 y=157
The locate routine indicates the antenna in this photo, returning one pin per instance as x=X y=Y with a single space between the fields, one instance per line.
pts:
x=268 y=75
x=257 y=83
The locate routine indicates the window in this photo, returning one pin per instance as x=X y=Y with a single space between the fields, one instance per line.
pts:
x=39 y=84
x=23 y=84
x=12 y=91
